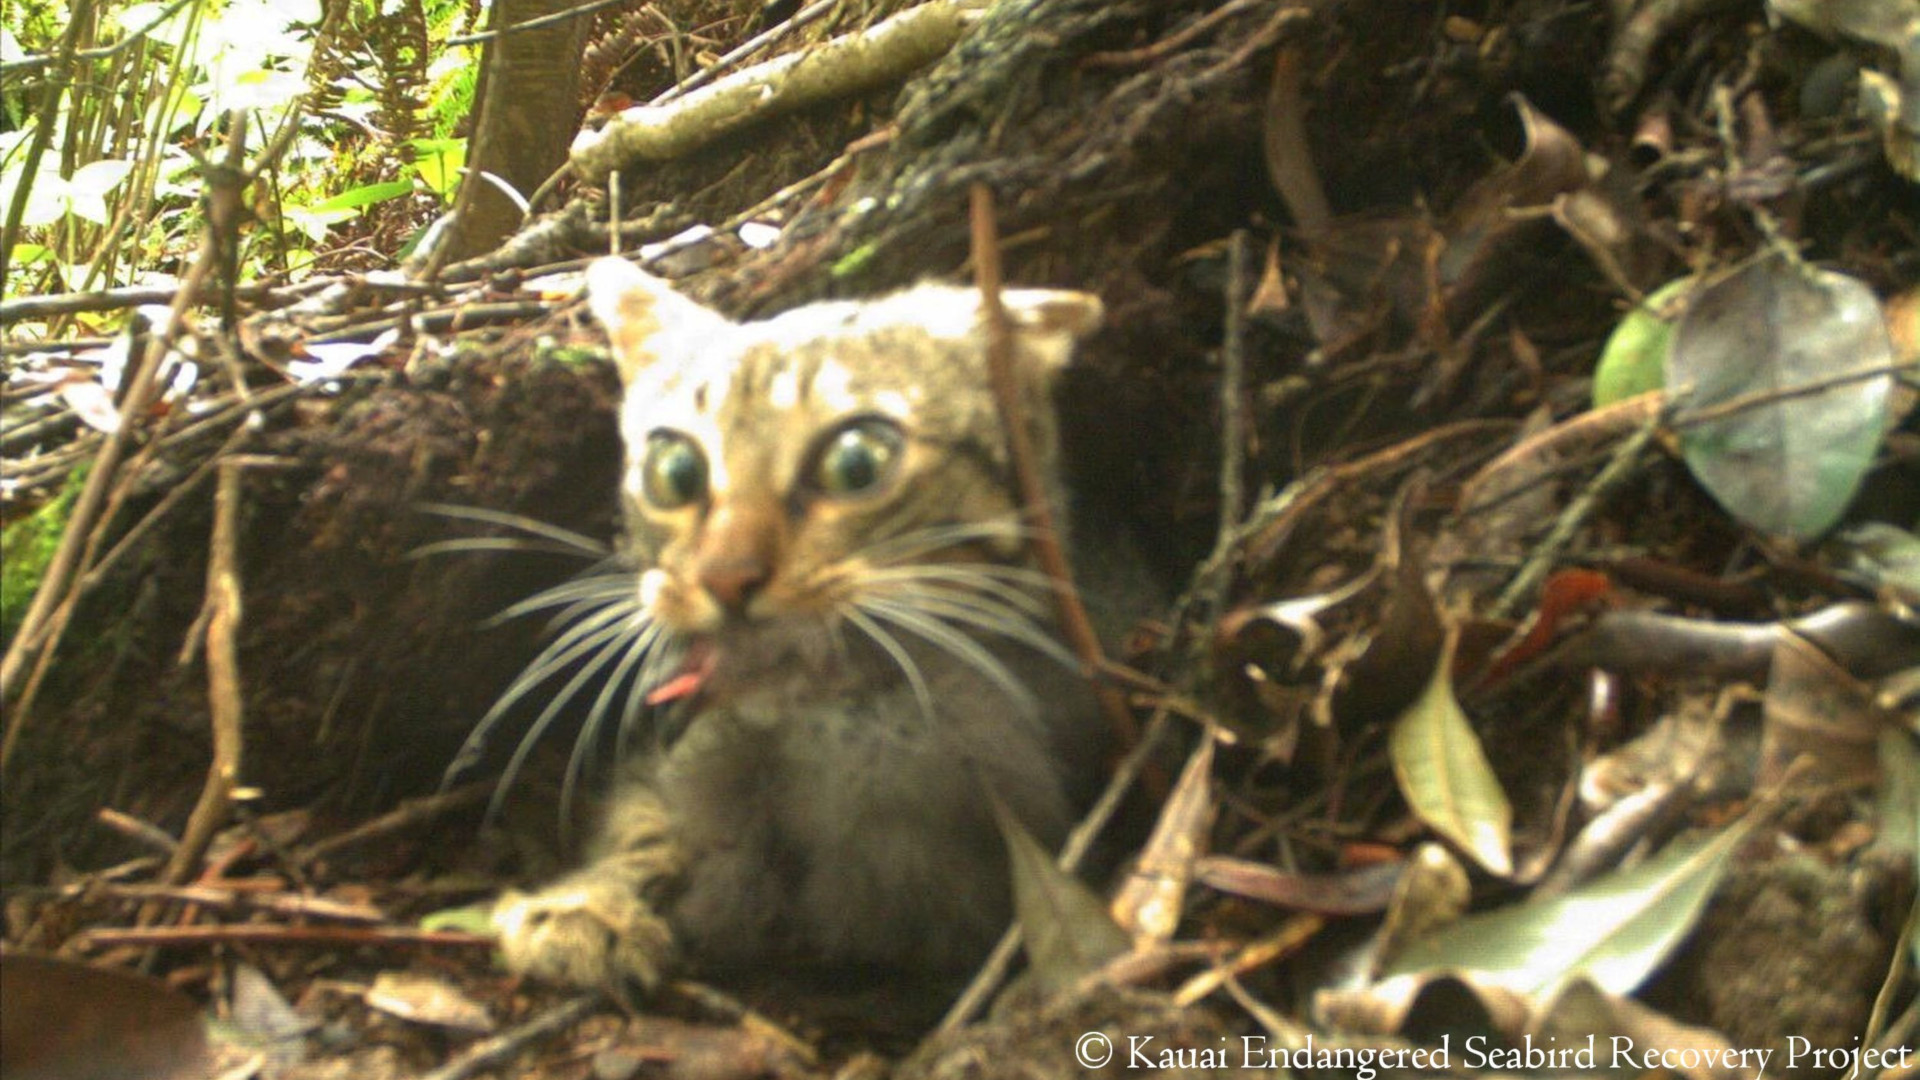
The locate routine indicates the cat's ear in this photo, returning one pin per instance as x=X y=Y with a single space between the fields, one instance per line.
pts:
x=1047 y=322
x=644 y=316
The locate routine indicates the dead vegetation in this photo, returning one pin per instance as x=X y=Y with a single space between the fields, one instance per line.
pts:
x=1453 y=636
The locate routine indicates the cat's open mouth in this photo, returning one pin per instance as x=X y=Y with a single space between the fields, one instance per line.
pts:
x=763 y=655
x=695 y=668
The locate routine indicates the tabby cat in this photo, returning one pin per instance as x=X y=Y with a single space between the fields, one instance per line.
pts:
x=825 y=585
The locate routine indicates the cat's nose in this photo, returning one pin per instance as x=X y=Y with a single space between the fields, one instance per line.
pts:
x=734 y=582
x=738 y=550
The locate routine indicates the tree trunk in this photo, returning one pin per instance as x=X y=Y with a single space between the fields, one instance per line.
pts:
x=528 y=109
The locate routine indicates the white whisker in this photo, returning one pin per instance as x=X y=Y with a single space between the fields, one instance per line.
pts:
x=659 y=662
x=564 y=649
x=604 y=645
x=984 y=613
x=604 y=585
x=479 y=544
x=908 y=545
x=901 y=658
x=953 y=642
x=569 y=645
x=636 y=650
x=971 y=579
x=565 y=540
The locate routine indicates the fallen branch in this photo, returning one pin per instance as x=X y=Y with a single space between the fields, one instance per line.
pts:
x=850 y=64
x=26 y=308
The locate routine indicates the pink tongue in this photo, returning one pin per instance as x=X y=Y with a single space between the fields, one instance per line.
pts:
x=687 y=681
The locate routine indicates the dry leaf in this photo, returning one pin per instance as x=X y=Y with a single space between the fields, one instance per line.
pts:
x=62 y=1020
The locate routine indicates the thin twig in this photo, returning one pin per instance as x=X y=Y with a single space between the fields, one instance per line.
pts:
x=30 y=653
x=1488 y=487
x=1045 y=539
x=1283 y=16
x=764 y=39
x=495 y=1050
x=1689 y=416
x=1172 y=43
x=1212 y=590
x=1233 y=378
x=407 y=815
x=224 y=698
x=483 y=36
x=31 y=63
x=1621 y=467
x=165 y=506
x=1271 y=522
x=254 y=933
x=145 y=832
x=228 y=897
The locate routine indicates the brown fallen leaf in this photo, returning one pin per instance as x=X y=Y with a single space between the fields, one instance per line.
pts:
x=64 y=1020
x=424 y=999
x=1153 y=897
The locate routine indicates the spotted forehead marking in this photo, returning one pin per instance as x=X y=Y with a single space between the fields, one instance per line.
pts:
x=783 y=390
x=833 y=387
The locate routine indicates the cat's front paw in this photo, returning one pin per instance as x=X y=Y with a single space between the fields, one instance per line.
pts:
x=588 y=932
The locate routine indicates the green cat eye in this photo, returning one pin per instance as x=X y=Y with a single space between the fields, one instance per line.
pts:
x=857 y=457
x=672 y=473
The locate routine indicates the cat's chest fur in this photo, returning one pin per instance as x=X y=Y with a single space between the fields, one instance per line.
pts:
x=853 y=829
x=829 y=567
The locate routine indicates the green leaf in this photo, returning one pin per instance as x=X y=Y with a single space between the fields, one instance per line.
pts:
x=46 y=200
x=1898 y=803
x=101 y=177
x=26 y=254
x=300 y=262
x=30 y=542
x=1635 y=357
x=1066 y=928
x=148 y=17
x=438 y=162
x=474 y=919
x=314 y=225
x=89 y=186
x=363 y=196
x=1789 y=460
x=270 y=92
x=1444 y=773
x=1614 y=930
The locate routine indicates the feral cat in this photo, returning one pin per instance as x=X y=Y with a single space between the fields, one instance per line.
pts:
x=825 y=567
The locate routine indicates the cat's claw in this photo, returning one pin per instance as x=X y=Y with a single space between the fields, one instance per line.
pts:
x=586 y=933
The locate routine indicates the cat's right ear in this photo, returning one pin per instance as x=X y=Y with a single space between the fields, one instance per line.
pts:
x=644 y=316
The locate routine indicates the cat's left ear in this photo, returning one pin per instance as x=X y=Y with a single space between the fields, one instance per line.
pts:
x=645 y=316
x=1047 y=322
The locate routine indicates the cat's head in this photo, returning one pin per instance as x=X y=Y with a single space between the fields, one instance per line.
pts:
x=842 y=461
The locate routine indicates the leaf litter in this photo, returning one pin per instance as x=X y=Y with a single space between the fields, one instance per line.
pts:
x=1503 y=645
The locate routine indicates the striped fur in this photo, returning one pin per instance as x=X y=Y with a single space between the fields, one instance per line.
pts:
x=825 y=551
